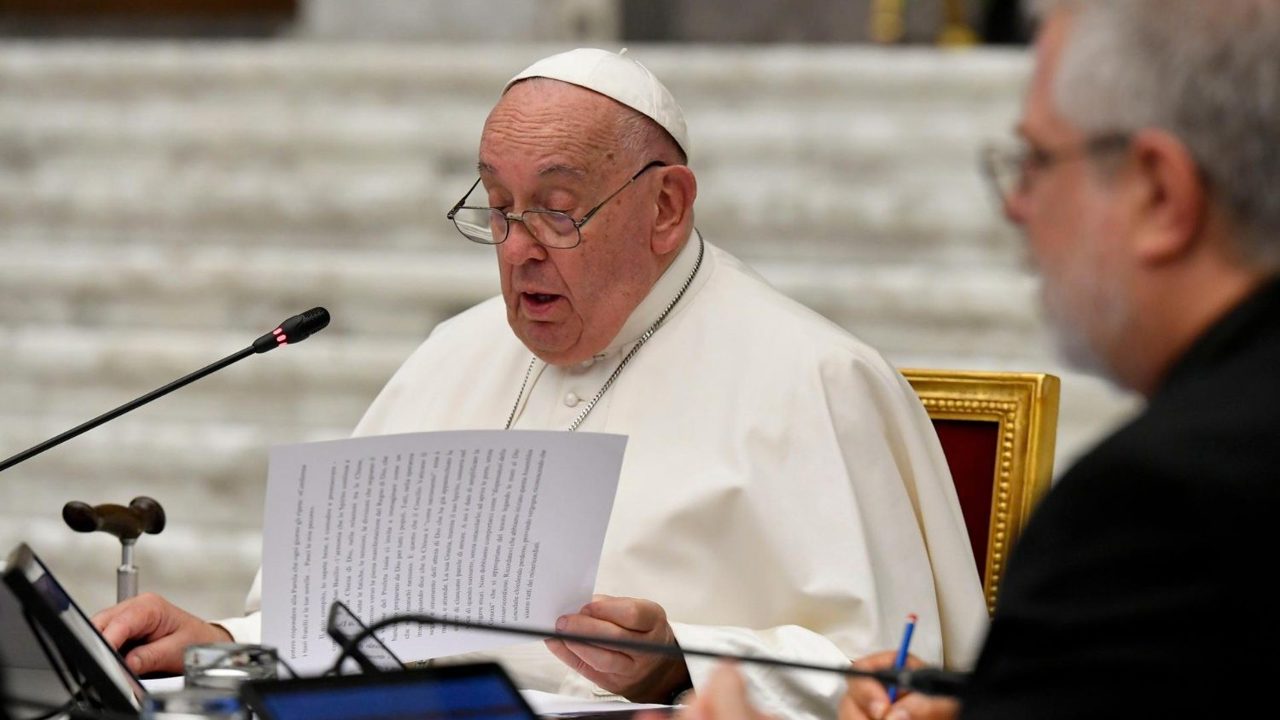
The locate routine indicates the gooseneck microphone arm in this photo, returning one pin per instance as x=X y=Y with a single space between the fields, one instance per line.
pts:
x=926 y=680
x=294 y=330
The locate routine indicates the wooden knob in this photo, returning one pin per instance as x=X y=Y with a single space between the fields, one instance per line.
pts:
x=150 y=512
x=126 y=523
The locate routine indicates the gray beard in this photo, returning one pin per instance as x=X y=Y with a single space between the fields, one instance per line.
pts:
x=1104 y=312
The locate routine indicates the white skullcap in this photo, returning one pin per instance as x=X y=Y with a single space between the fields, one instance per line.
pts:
x=616 y=76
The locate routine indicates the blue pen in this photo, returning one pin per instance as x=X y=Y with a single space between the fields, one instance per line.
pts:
x=900 y=662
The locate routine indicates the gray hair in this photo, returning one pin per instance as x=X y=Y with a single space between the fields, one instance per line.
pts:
x=643 y=139
x=1205 y=71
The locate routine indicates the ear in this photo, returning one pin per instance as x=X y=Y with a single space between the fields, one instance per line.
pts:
x=673 y=208
x=1172 y=197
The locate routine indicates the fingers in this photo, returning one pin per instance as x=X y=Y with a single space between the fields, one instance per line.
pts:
x=104 y=617
x=921 y=707
x=165 y=630
x=582 y=624
x=850 y=710
x=564 y=655
x=868 y=698
x=635 y=674
x=131 y=619
x=603 y=657
x=636 y=615
x=585 y=658
x=163 y=655
x=725 y=696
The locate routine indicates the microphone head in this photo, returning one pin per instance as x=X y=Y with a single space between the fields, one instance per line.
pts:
x=294 y=330
x=301 y=327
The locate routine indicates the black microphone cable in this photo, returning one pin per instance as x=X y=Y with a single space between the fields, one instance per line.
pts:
x=927 y=681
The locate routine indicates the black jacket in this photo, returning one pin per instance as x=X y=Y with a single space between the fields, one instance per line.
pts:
x=1142 y=586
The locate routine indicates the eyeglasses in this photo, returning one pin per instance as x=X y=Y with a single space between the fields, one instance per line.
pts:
x=1009 y=167
x=554 y=229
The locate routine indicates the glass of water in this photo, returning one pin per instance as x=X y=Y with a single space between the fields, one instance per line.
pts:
x=227 y=666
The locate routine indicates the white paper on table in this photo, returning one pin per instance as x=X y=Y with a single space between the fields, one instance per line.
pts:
x=550 y=704
x=164 y=684
x=497 y=526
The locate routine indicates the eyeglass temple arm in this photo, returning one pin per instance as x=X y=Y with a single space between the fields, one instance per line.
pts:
x=458 y=205
x=579 y=223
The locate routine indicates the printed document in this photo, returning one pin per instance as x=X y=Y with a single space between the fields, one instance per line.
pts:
x=503 y=527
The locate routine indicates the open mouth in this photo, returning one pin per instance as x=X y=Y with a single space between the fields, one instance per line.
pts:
x=540 y=299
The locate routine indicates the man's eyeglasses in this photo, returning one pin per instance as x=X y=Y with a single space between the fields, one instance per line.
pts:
x=554 y=229
x=1009 y=167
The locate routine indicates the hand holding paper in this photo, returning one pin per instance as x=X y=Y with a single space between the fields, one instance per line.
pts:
x=637 y=676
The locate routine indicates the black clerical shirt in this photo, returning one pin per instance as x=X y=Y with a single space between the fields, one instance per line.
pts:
x=1143 y=585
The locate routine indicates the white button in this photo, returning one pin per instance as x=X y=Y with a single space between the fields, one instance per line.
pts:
x=571 y=400
x=588 y=363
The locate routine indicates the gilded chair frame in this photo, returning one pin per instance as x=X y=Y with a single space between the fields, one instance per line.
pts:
x=1025 y=405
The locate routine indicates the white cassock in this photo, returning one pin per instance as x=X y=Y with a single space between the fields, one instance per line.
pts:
x=783 y=491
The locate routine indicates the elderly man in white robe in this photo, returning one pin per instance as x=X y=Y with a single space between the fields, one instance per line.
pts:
x=783 y=491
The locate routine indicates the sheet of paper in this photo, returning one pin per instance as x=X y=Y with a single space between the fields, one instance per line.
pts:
x=500 y=527
x=164 y=684
x=547 y=704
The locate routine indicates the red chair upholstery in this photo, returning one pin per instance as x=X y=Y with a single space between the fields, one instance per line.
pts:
x=997 y=432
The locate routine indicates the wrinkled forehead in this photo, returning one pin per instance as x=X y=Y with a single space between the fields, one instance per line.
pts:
x=546 y=121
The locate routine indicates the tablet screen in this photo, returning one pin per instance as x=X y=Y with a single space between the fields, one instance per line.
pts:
x=476 y=692
x=76 y=637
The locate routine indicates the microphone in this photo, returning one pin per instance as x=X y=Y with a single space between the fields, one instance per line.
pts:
x=926 y=681
x=294 y=330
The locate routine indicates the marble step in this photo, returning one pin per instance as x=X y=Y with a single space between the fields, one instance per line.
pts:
x=748 y=217
x=359 y=70
x=401 y=296
x=270 y=128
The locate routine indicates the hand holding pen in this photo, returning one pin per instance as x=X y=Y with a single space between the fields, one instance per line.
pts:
x=872 y=701
x=900 y=661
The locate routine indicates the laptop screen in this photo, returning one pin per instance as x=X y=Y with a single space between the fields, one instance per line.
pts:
x=85 y=650
x=476 y=692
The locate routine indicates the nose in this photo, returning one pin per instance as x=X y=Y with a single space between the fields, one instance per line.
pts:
x=520 y=246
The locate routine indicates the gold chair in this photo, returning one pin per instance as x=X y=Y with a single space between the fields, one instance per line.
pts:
x=997 y=432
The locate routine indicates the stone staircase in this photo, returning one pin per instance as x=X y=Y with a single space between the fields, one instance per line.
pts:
x=163 y=204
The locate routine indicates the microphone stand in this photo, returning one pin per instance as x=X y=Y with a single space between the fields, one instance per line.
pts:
x=127 y=407
x=295 y=329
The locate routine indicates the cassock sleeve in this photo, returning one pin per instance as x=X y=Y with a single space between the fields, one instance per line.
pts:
x=248 y=627
x=778 y=691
